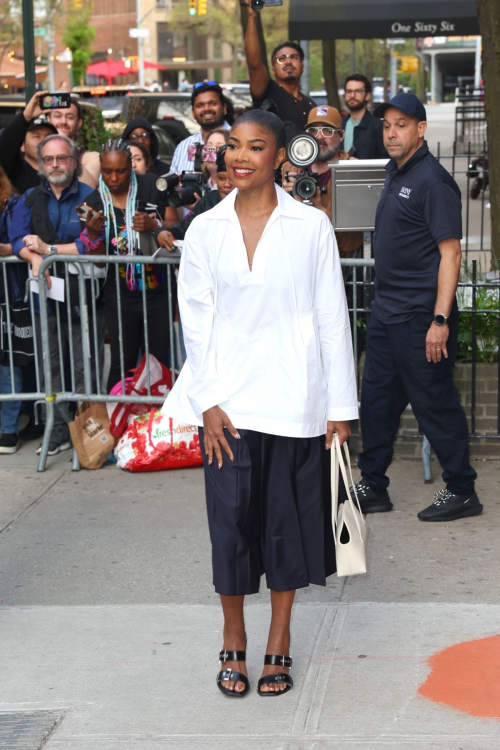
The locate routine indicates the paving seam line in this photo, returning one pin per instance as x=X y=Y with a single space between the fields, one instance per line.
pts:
x=36 y=501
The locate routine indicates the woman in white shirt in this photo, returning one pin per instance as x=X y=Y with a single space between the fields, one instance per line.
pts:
x=269 y=378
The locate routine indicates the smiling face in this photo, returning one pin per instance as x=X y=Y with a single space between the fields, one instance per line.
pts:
x=208 y=110
x=403 y=135
x=65 y=121
x=116 y=169
x=287 y=65
x=252 y=156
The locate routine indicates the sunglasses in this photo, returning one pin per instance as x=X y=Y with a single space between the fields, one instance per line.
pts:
x=205 y=83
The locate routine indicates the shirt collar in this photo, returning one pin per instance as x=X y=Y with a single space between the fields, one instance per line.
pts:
x=392 y=167
x=287 y=206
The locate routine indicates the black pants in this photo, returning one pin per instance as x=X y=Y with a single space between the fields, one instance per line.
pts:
x=397 y=373
x=133 y=326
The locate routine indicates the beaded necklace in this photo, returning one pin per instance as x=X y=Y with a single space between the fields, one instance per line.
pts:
x=110 y=213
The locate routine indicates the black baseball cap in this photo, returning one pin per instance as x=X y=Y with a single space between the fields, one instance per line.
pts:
x=39 y=122
x=407 y=103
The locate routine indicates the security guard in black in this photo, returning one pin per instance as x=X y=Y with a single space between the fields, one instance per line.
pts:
x=420 y=206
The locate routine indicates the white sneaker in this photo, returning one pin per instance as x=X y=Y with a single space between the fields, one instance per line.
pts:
x=55 y=448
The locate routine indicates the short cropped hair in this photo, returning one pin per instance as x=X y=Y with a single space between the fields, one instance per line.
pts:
x=73 y=149
x=361 y=79
x=293 y=45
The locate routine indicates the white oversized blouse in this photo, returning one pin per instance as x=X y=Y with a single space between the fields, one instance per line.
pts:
x=271 y=346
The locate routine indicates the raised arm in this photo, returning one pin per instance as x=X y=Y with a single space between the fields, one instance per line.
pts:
x=257 y=71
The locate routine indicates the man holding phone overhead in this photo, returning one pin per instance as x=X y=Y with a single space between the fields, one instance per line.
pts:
x=292 y=105
x=20 y=138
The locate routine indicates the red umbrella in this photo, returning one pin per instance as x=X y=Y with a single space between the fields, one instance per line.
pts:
x=150 y=65
x=109 y=69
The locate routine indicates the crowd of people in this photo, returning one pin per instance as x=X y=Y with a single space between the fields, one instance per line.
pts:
x=46 y=179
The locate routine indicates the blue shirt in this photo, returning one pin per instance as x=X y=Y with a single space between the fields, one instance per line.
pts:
x=63 y=216
x=420 y=206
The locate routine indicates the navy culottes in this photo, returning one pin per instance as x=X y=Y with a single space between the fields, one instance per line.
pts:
x=269 y=512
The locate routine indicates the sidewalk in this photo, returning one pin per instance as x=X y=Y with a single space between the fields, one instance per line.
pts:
x=110 y=630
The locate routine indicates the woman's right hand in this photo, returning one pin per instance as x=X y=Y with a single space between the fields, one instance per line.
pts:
x=214 y=422
x=94 y=224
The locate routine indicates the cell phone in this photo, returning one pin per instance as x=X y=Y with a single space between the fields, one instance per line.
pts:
x=55 y=101
x=208 y=153
x=84 y=211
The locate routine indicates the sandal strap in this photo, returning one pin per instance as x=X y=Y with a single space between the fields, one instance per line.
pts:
x=228 y=674
x=278 y=661
x=280 y=677
x=225 y=655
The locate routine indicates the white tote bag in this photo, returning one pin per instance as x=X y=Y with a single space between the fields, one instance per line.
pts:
x=349 y=526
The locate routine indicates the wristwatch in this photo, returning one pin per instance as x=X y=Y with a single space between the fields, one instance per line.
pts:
x=440 y=320
x=52 y=249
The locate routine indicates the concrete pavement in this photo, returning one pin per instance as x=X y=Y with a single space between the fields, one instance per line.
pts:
x=110 y=630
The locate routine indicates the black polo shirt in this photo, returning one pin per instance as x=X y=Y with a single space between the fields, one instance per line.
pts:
x=288 y=107
x=420 y=206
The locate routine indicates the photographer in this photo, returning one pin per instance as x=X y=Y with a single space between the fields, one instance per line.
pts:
x=209 y=110
x=325 y=125
x=292 y=106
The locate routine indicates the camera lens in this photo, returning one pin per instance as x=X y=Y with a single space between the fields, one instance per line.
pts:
x=305 y=188
x=167 y=182
x=302 y=150
x=258 y=4
x=183 y=196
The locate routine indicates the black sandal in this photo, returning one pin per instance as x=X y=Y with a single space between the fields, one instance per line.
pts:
x=228 y=674
x=273 y=660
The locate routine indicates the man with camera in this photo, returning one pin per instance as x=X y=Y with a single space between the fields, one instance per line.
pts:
x=363 y=137
x=314 y=184
x=209 y=110
x=293 y=106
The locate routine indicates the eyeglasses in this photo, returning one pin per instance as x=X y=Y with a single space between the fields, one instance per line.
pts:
x=281 y=60
x=205 y=83
x=59 y=159
x=324 y=132
x=357 y=92
x=139 y=136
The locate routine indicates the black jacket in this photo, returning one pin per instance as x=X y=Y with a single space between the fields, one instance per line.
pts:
x=20 y=173
x=368 y=140
x=159 y=167
x=209 y=200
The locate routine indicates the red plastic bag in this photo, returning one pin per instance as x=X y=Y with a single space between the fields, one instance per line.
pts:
x=154 y=442
x=136 y=384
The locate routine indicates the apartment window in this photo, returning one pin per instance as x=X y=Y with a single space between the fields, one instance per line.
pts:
x=165 y=42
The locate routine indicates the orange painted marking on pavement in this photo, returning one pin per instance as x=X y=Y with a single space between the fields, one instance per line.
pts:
x=467 y=677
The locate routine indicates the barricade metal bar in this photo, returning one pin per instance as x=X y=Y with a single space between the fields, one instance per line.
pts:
x=9 y=330
x=474 y=352
x=94 y=330
x=70 y=328
x=59 y=345
x=171 y=312
x=47 y=369
x=84 y=320
x=146 y=328
x=120 y=325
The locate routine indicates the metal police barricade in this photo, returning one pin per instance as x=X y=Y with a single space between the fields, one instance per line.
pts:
x=17 y=331
x=90 y=336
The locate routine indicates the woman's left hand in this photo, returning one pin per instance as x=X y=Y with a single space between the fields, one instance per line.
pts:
x=341 y=428
x=144 y=223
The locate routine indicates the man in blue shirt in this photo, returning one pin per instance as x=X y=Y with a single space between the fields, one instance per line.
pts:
x=45 y=223
x=413 y=330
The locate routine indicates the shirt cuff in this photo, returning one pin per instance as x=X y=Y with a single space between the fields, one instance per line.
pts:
x=343 y=414
x=17 y=246
x=80 y=246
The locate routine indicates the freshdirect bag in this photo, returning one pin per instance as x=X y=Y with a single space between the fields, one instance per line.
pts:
x=90 y=434
x=136 y=381
x=153 y=442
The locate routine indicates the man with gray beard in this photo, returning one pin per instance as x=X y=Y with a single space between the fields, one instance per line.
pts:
x=45 y=222
x=325 y=125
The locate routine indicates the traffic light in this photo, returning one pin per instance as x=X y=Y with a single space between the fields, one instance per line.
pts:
x=192 y=7
x=202 y=7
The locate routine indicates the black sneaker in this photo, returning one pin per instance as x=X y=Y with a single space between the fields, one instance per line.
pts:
x=371 y=501
x=32 y=431
x=55 y=448
x=449 y=507
x=9 y=442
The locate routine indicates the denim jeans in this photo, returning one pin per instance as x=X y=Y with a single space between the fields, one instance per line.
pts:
x=9 y=419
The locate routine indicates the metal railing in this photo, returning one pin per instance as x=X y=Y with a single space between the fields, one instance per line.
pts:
x=470 y=121
x=359 y=282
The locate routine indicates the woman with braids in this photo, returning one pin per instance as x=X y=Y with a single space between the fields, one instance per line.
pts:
x=129 y=204
x=269 y=378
